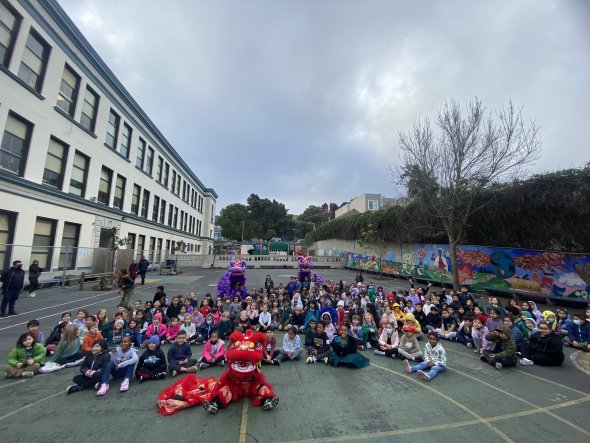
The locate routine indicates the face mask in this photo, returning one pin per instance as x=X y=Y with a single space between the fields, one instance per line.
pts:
x=389 y=331
x=577 y=322
x=208 y=321
x=550 y=320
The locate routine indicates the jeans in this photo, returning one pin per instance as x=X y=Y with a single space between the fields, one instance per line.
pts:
x=126 y=372
x=432 y=372
x=10 y=296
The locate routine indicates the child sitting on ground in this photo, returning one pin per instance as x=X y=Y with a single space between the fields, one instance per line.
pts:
x=207 y=328
x=172 y=330
x=408 y=345
x=156 y=327
x=213 y=352
x=319 y=349
x=24 y=360
x=152 y=363
x=344 y=352
x=33 y=328
x=92 y=367
x=435 y=360
x=54 y=338
x=264 y=319
x=310 y=332
x=478 y=334
x=243 y=322
x=225 y=327
x=357 y=333
x=116 y=334
x=298 y=319
x=190 y=329
x=388 y=341
x=464 y=335
x=291 y=349
x=68 y=350
x=121 y=366
x=503 y=353
x=448 y=326
x=269 y=356
x=180 y=356
x=328 y=325
x=92 y=336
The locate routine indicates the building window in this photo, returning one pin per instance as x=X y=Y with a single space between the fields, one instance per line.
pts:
x=119 y=192
x=9 y=24
x=112 y=130
x=177 y=184
x=131 y=239
x=372 y=205
x=149 y=161
x=79 y=174
x=140 y=246
x=68 y=91
x=104 y=187
x=43 y=239
x=89 y=108
x=140 y=160
x=163 y=212
x=158 y=257
x=135 y=199
x=152 y=249
x=159 y=168
x=175 y=221
x=145 y=203
x=156 y=208
x=34 y=61
x=166 y=173
x=57 y=155
x=173 y=181
x=125 y=140
x=69 y=246
x=170 y=214
x=7 y=224
x=15 y=144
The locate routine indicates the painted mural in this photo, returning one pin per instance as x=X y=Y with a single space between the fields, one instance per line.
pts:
x=553 y=274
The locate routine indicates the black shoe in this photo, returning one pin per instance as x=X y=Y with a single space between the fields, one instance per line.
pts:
x=270 y=403
x=141 y=379
x=4 y=314
x=211 y=407
x=72 y=388
x=13 y=313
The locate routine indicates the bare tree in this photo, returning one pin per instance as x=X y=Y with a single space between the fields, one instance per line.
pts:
x=472 y=151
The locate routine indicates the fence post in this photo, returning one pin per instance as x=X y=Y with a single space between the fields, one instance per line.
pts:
x=82 y=278
x=63 y=275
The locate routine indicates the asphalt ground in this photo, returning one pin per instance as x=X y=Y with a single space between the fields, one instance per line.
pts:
x=318 y=403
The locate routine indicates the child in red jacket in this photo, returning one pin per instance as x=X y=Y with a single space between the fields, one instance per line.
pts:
x=213 y=352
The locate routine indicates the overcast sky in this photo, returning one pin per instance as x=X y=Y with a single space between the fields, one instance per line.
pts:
x=302 y=101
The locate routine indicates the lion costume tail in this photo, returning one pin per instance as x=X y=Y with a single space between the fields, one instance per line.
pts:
x=186 y=392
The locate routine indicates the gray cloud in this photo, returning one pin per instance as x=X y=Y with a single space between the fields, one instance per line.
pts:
x=302 y=101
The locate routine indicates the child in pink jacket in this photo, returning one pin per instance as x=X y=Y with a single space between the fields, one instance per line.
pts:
x=172 y=330
x=213 y=352
x=156 y=327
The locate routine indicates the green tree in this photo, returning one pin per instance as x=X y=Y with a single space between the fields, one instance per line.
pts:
x=234 y=220
x=270 y=218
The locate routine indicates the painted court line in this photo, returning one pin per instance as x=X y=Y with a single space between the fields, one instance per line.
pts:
x=432 y=428
x=16 y=411
x=244 y=423
x=12 y=384
x=446 y=397
x=576 y=364
x=528 y=374
x=509 y=394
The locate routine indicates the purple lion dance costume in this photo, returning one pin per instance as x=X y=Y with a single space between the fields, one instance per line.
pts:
x=233 y=282
x=305 y=264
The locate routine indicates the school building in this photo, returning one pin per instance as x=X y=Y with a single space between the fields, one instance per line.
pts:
x=79 y=157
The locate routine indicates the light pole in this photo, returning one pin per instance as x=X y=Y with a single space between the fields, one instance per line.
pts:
x=242 y=231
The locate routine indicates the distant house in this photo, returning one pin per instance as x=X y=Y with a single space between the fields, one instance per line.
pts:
x=367 y=202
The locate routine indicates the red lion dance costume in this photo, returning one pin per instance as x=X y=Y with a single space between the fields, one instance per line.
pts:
x=242 y=378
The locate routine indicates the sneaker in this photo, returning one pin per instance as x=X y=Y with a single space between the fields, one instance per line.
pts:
x=482 y=358
x=470 y=345
x=270 y=403
x=211 y=407
x=104 y=388
x=27 y=374
x=326 y=360
x=141 y=379
x=423 y=375
x=498 y=366
x=277 y=362
x=418 y=359
x=309 y=360
x=97 y=386
x=72 y=388
x=75 y=363
x=378 y=352
x=476 y=351
x=174 y=373
x=407 y=367
x=222 y=363
x=368 y=345
x=314 y=360
x=124 y=385
x=203 y=365
x=3 y=314
x=13 y=313
x=526 y=362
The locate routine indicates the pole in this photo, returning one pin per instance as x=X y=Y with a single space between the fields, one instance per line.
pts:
x=63 y=275
x=242 y=231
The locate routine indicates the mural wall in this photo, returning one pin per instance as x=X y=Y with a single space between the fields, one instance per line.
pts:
x=552 y=274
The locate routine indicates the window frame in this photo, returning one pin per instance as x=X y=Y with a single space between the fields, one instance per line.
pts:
x=26 y=144
x=126 y=134
x=43 y=58
x=75 y=91
x=122 y=197
x=13 y=33
x=85 y=175
x=141 y=154
x=145 y=203
x=135 y=207
x=115 y=126
x=110 y=186
x=92 y=121
x=63 y=160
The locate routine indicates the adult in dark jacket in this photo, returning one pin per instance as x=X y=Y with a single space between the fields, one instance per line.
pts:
x=34 y=274
x=545 y=348
x=127 y=286
x=142 y=267
x=13 y=280
x=92 y=367
x=133 y=269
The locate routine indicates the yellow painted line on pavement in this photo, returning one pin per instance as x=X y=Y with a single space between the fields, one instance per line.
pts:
x=244 y=423
x=546 y=410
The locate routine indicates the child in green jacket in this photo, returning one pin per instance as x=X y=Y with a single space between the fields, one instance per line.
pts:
x=25 y=358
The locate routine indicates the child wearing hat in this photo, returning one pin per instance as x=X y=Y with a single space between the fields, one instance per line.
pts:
x=92 y=368
x=435 y=360
x=409 y=348
x=503 y=353
x=152 y=363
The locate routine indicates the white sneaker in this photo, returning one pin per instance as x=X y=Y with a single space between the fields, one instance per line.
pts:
x=526 y=362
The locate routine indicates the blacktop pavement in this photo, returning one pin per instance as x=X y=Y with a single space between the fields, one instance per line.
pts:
x=470 y=401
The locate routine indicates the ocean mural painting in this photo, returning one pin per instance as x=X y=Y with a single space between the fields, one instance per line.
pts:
x=553 y=274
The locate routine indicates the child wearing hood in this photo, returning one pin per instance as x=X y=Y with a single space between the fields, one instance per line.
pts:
x=503 y=353
x=156 y=327
x=478 y=333
x=320 y=345
x=435 y=360
x=92 y=368
x=398 y=314
x=408 y=345
x=563 y=319
x=213 y=352
x=388 y=342
x=152 y=363
x=329 y=327
x=410 y=320
x=551 y=319
x=207 y=328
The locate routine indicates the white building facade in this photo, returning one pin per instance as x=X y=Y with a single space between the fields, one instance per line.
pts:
x=78 y=156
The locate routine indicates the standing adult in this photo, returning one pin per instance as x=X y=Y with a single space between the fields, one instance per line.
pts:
x=34 y=274
x=13 y=280
x=127 y=286
x=142 y=267
x=133 y=270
